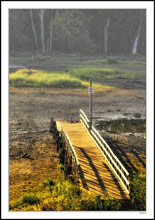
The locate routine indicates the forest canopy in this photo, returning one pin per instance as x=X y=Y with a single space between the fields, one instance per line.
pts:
x=83 y=31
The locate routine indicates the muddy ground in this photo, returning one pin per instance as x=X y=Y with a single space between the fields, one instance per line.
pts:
x=32 y=149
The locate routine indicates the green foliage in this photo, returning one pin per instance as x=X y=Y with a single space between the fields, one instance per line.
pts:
x=78 y=31
x=60 y=167
x=70 y=32
x=64 y=195
x=67 y=196
x=17 y=23
x=111 y=204
x=25 y=200
x=49 y=182
x=97 y=74
x=138 y=194
x=15 y=204
x=30 y=199
x=70 y=78
x=40 y=57
x=43 y=79
x=112 y=60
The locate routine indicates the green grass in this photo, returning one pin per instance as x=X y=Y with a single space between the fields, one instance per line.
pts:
x=43 y=79
x=30 y=199
x=25 y=200
x=77 y=71
x=77 y=61
x=65 y=195
x=98 y=74
x=25 y=78
x=138 y=193
x=62 y=194
x=71 y=78
x=74 y=71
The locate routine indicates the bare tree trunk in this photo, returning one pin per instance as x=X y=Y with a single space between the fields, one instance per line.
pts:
x=106 y=37
x=41 y=14
x=33 y=28
x=135 y=45
x=51 y=34
x=47 y=47
x=50 y=49
x=142 y=47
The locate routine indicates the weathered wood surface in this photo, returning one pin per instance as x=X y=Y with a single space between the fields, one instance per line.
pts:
x=97 y=173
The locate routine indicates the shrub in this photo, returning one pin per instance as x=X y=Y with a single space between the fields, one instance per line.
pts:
x=112 y=61
x=138 y=194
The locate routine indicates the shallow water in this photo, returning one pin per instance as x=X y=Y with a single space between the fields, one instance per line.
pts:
x=14 y=68
x=122 y=125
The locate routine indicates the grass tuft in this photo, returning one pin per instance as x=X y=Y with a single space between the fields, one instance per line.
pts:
x=30 y=199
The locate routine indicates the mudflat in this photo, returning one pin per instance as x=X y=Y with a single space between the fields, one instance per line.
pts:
x=32 y=150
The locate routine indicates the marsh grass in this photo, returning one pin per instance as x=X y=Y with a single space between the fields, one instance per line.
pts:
x=97 y=74
x=138 y=194
x=25 y=78
x=111 y=60
x=70 y=79
x=43 y=79
x=61 y=194
x=25 y=200
x=30 y=199
x=64 y=195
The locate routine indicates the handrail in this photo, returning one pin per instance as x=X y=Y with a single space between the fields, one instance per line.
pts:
x=79 y=173
x=111 y=158
x=72 y=148
x=104 y=142
x=85 y=122
x=84 y=115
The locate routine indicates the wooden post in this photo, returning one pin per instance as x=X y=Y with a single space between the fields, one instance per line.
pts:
x=90 y=106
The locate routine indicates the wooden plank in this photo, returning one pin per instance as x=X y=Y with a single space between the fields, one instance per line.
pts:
x=97 y=172
x=111 y=158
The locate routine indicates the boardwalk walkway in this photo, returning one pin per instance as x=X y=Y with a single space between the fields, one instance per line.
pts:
x=97 y=173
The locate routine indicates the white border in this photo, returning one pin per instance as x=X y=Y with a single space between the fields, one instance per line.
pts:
x=150 y=104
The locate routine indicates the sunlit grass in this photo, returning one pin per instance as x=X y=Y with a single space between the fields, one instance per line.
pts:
x=43 y=79
x=25 y=78
x=76 y=78
x=65 y=195
x=56 y=193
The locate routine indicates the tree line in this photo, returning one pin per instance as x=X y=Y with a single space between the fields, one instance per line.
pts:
x=84 y=31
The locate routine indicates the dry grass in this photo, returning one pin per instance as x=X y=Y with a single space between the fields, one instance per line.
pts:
x=27 y=174
x=83 y=91
x=28 y=188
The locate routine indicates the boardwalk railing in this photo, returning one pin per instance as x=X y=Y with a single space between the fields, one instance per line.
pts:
x=72 y=156
x=117 y=167
x=68 y=153
x=71 y=151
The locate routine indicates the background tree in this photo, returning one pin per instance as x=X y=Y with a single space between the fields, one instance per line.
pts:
x=17 y=35
x=84 y=31
x=71 y=33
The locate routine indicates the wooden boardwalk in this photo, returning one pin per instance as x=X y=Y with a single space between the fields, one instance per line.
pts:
x=98 y=175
